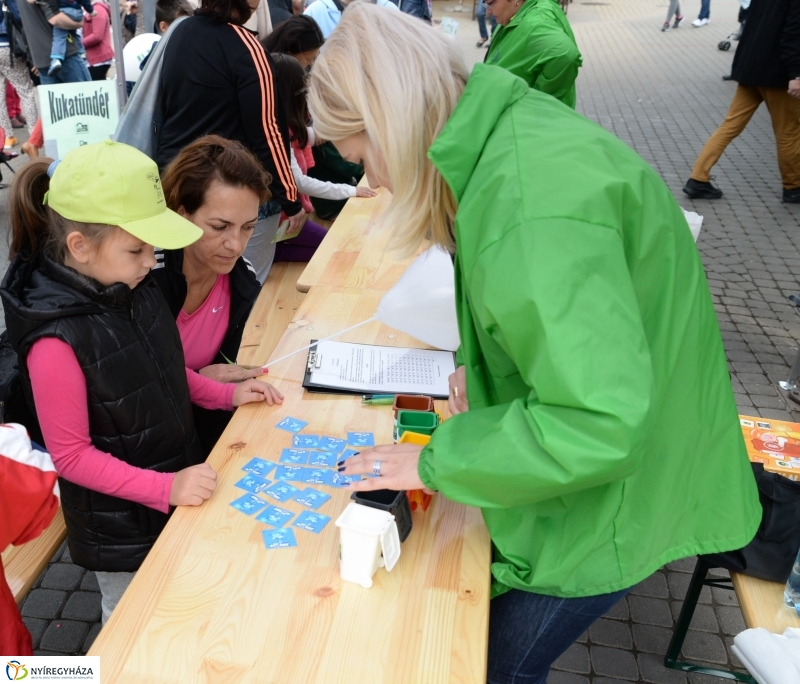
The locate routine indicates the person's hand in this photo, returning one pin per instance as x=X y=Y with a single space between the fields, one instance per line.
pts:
x=252 y=390
x=34 y=71
x=191 y=486
x=457 y=401
x=228 y=372
x=794 y=88
x=361 y=191
x=131 y=7
x=398 y=468
x=296 y=224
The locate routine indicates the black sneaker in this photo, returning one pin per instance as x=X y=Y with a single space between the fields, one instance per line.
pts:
x=699 y=190
x=791 y=196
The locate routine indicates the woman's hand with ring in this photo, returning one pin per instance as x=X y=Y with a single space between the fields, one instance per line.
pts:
x=398 y=468
x=457 y=401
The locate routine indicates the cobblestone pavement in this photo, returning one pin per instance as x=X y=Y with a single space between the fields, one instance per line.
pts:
x=663 y=95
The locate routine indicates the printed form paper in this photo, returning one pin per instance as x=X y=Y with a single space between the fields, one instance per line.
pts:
x=390 y=370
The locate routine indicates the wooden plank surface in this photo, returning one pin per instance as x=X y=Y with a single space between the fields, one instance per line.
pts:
x=23 y=564
x=762 y=604
x=354 y=253
x=275 y=307
x=211 y=603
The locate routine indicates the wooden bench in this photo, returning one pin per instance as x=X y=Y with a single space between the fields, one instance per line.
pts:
x=272 y=313
x=762 y=604
x=23 y=564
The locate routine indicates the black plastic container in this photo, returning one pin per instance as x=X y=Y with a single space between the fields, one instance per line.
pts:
x=388 y=500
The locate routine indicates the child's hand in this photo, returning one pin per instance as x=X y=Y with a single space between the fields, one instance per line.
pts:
x=361 y=191
x=93 y=14
x=191 y=486
x=254 y=390
x=228 y=372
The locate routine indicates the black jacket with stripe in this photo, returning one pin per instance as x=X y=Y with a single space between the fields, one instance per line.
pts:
x=216 y=78
x=168 y=274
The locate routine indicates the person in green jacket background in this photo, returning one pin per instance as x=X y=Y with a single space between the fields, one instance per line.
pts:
x=594 y=420
x=535 y=42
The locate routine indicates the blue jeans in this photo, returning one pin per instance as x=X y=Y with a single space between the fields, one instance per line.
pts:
x=705 y=9
x=528 y=632
x=480 y=15
x=59 y=46
x=74 y=69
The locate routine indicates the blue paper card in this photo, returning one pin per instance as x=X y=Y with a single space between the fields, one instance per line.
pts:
x=305 y=441
x=252 y=483
x=291 y=424
x=312 y=498
x=281 y=491
x=313 y=522
x=348 y=453
x=294 y=456
x=318 y=476
x=332 y=444
x=343 y=480
x=277 y=517
x=282 y=538
x=361 y=439
x=322 y=458
x=258 y=466
x=249 y=503
x=290 y=473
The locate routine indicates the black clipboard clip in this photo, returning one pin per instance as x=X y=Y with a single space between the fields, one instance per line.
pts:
x=314 y=361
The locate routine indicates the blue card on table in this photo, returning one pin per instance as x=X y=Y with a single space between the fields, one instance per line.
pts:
x=305 y=441
x=313 y=522
x=332 y=444
x=361 y=439
x=343 y=480
x=277 y=517
x=348 y=453
x=281 y=491
x=291 y=424
x=282 y=538
x=312 y=498
x=249 y=503
x=322 y=458
x=252 y=483
x=258 y=466
x=318 y=476
x=294 y=456
x=289 y=473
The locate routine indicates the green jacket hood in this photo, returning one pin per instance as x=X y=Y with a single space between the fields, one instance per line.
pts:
x=456 y=151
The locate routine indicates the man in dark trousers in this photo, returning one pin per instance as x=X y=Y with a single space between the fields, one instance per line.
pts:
x=767 y=69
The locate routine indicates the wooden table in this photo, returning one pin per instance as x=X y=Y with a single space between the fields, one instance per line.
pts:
x=211 y=604
x=355 y=252
x=762 y=604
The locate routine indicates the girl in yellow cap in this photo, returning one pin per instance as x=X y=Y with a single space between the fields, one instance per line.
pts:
x=81 y=308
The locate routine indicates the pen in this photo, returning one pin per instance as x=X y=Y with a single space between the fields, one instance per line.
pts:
x=377 y=399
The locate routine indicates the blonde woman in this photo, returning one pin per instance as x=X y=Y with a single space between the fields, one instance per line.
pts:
x=594 y=420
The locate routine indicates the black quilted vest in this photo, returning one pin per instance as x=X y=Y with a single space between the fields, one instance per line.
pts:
x=128 y=347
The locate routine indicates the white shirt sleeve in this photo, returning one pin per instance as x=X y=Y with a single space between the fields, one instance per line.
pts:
x=317 y=188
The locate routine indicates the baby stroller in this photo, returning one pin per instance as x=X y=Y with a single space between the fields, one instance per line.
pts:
x=725 y=43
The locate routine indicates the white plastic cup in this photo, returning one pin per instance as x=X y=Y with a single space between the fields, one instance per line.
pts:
x=368 y=540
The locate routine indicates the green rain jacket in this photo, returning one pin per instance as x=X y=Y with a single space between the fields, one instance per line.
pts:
x=602 y=439
x=539 y=47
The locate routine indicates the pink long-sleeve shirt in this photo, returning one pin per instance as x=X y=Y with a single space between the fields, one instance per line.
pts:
x=64 y=418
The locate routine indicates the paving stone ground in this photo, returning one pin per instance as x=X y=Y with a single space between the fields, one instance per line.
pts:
x=662 y=94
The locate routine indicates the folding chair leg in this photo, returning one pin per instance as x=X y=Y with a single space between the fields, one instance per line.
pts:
x=699 y=580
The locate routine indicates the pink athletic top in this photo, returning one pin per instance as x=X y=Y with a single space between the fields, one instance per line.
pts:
x=203 y=331
x=64 y=418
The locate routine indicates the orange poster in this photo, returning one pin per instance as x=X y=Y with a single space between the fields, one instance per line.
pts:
x=775 y=443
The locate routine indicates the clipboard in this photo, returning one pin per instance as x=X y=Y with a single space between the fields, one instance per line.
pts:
x=353 y=368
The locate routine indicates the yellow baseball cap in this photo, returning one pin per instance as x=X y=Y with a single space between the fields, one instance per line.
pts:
x=116 y=184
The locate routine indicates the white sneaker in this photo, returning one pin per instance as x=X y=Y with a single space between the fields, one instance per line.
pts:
x=697 y=23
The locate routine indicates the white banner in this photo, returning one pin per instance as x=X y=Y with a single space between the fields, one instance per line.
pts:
x=75 y=114
x=51 y=669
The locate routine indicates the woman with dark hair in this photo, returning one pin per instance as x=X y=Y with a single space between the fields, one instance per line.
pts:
x=210 y=287
x=216 y=78
x=298 y=36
